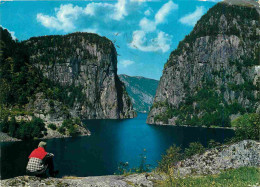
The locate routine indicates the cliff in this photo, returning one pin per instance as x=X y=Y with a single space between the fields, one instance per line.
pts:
x=141 y=91
x=84 y=64
x=59 y=79
x=213 y=75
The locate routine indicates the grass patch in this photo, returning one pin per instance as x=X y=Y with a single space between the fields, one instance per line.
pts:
x=240 y=177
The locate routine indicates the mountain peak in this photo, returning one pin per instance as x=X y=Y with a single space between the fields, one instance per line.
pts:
x=247 y=3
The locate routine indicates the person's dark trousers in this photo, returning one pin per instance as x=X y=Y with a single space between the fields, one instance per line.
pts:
x=50 y=165
x=41 y=174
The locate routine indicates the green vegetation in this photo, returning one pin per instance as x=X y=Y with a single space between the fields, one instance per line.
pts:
x=23 y=130
x=216 y=112
x=52 y=126
x=207 y=107
x=20 y=80
x=58 y=41
x=123 y=167
x=172 y=156
x=175 y=154
x=247 y=126
x=240 y=177
x=193 y=149
x=70 y=127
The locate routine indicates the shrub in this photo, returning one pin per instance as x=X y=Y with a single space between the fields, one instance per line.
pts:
x=23 y=130
x=247 y=126
x=61 y=130
x=73 y=130
x=71 y=126
x=193 y=149
x=13 y=125
x=67 y=123
x=123 y=167
x=4 y=125
x=172 y=156
x=143 y=167
x=52 y=126
x=213 y=143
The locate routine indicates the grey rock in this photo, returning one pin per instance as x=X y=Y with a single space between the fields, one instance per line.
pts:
x=6 y=138
x=213 y=161
x=142 y=180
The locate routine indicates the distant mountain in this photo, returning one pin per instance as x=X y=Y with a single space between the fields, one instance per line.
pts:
x=141 y=91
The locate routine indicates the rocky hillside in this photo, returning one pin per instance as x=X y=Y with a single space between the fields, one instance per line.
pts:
x=59 y=79
x=85 y=65
x=141 y=91
x=213 y=75
x=213 y=161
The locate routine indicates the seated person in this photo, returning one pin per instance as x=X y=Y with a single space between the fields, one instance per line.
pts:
x=40 y=161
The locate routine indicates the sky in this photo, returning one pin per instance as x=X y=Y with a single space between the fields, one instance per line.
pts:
x=144 y=32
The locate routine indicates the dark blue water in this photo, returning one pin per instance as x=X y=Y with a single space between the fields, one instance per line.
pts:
x=111 y=142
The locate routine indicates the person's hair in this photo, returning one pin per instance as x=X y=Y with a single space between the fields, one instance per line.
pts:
x=42 y=144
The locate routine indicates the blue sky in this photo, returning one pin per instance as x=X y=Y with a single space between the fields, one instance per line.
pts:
x=143 y=31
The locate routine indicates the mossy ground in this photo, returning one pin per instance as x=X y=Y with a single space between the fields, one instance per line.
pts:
x=244 y=176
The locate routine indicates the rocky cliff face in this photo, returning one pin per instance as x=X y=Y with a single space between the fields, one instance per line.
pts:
x=85 y=66
x=141 y=91
x=213 y=75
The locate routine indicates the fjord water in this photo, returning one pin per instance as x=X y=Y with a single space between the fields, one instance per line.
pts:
x=111 y=142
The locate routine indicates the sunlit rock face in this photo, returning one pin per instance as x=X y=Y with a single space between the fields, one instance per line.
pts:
x=214 y=73
x=88 y=64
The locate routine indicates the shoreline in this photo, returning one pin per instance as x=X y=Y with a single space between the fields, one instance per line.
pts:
x=44 y=138
x=213 y=161
x=156 y=124
x=11 y=139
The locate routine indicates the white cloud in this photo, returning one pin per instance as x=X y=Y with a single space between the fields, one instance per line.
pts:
x=163 y=41
x=164 y=11
x=93 y=9
x=148 y=12
x=158 y=40
x=120 y=10
x=126 y=63
x=192 y=18
x=147 y=25
x=67 y=16
x=64 y=19
x=160 y=17
x=159 y=43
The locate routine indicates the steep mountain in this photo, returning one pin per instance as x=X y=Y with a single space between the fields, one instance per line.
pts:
x=86 y=65
x=59 y=79
x=213 y=75
x=141 y=91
